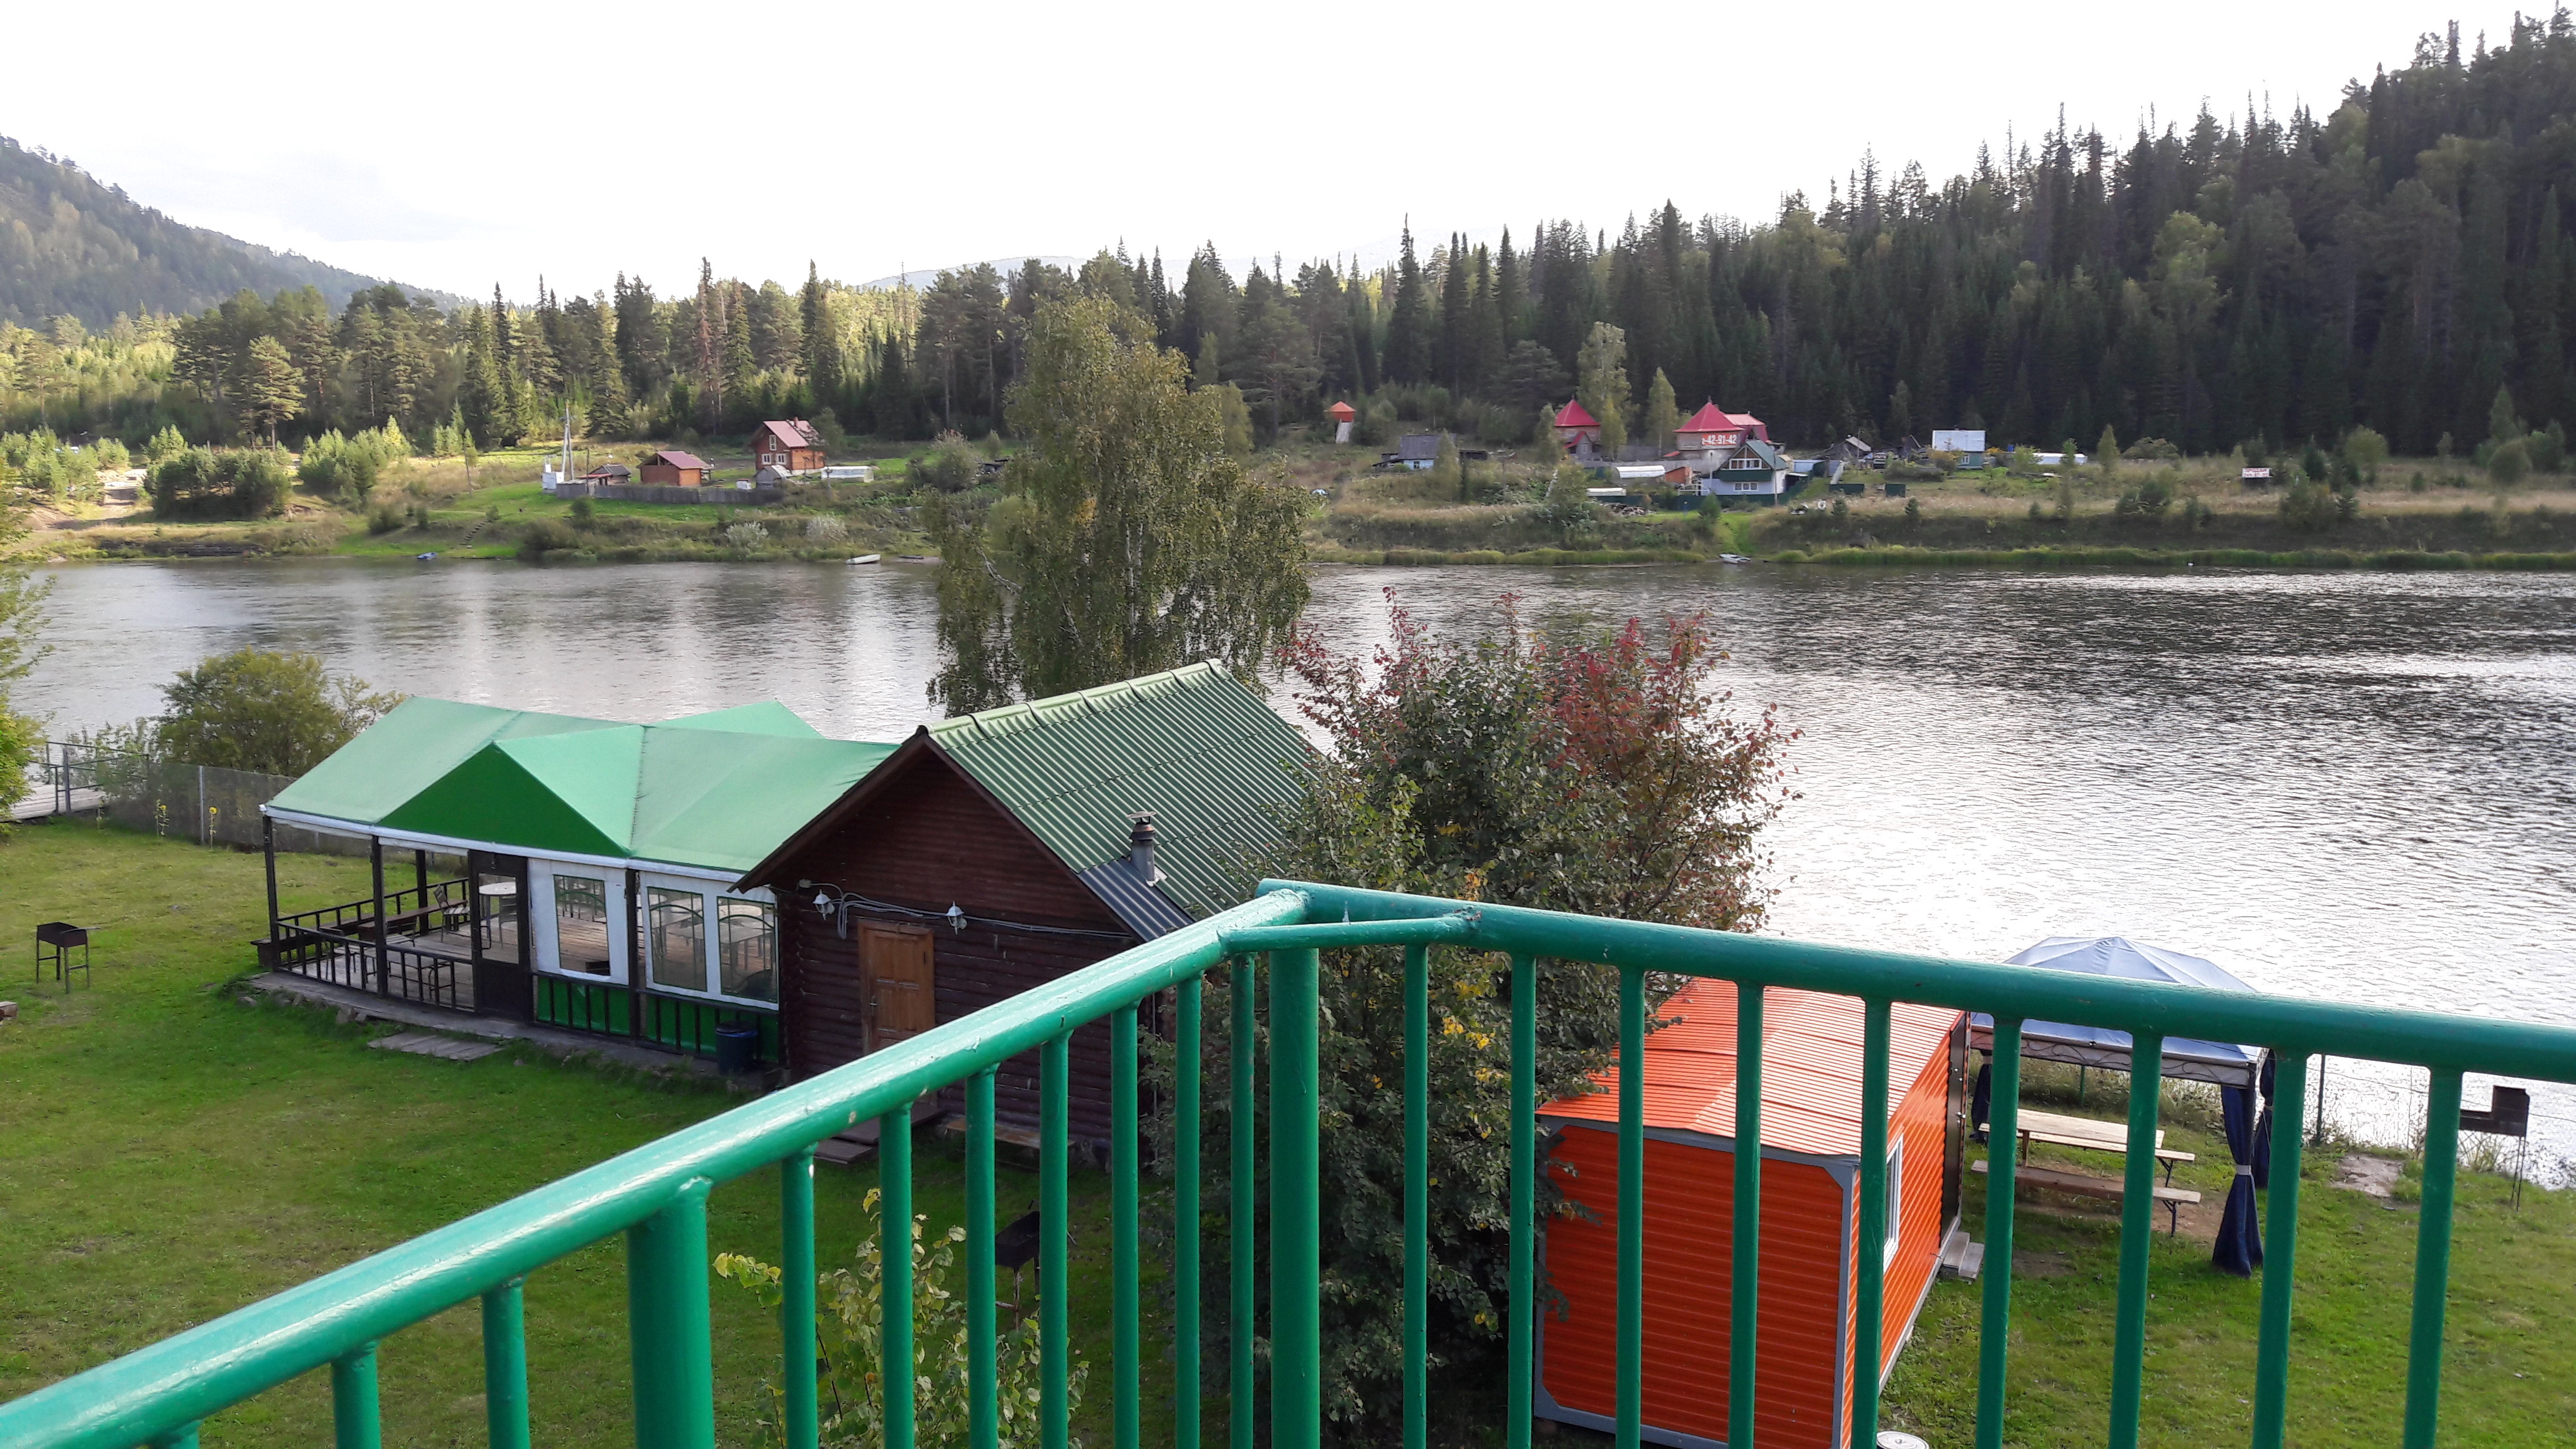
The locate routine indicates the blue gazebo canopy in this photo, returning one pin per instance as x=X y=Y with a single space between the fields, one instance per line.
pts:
x=2092 y=1046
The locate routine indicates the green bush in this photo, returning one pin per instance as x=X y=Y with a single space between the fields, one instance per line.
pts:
x=546 y=536
x=2309 y=507
x=221 y=483
x=850 y=1349
x=950 y=466
x=2510 y=463
x=346 y=468
x=583 y=514
x=385 y=519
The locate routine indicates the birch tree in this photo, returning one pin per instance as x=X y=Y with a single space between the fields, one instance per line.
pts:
x=1126 y=537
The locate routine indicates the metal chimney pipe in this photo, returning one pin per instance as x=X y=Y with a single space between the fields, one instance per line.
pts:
x=1140 y=847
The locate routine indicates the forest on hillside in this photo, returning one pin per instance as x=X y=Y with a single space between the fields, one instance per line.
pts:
x=2397 y=260
x=73 y=246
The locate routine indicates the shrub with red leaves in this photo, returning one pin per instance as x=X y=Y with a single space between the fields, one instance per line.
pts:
x=1605 y=775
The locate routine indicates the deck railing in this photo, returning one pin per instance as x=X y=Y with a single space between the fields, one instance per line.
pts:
x=657 y=1194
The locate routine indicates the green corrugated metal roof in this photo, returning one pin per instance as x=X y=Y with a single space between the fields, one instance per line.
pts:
x=1195 y=746
x=402 y=754
x=718 y=791
x=768 y=717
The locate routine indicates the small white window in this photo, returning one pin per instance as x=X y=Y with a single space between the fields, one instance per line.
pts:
x=1895 y=1198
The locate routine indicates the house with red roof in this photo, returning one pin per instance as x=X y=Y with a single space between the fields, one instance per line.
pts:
x=1730 y=455
x=791 y=446
x=1576 y=429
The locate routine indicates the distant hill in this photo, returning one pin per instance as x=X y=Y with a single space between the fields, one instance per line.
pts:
x=1004 y=265
x=69 y=243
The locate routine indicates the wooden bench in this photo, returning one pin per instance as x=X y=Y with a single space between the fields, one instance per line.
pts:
x=2172 y=1198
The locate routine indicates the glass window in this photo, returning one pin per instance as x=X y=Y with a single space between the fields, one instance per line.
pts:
x=675 y=937
x=1895 y=1197
x=747 y=949
x=581 y=925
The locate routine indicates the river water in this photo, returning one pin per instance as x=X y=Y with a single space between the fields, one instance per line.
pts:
x=2357 y=786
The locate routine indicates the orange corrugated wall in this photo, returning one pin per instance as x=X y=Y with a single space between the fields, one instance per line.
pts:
x=1917 y=1120
x=1808 y=1221
x=1690 y=1205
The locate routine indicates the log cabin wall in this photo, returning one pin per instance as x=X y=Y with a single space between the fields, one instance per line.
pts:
x=930 y=838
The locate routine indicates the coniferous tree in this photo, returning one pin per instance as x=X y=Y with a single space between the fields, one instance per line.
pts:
x=822 y=359
x=1408 y=326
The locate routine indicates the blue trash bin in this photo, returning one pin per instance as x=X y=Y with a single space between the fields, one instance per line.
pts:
x=737 y=1048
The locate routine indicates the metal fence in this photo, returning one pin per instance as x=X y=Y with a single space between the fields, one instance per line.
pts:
x=208 y=804
x=656 y=1195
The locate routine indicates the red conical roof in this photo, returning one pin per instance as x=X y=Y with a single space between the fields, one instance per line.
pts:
x=1709 y=419
x=1341 y=412
x=1575 y=415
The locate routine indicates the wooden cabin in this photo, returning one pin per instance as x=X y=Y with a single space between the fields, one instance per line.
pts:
x=672 y=469
x=791 y=446
x=1811 y=1070
x=998 y=851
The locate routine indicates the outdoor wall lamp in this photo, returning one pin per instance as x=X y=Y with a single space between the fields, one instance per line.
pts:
x=956 y=918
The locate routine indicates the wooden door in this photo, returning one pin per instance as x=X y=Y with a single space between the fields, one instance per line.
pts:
x=895 y=981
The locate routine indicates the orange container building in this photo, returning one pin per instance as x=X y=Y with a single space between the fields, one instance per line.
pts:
x=1811 y=1068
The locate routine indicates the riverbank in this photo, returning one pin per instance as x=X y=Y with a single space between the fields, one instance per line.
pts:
x=2424 y=514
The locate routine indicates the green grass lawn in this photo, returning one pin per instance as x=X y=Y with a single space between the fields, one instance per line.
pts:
x=2509 y=1372
x=169 y=1153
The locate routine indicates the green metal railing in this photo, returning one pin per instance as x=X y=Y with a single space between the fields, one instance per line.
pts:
x=657 y=1194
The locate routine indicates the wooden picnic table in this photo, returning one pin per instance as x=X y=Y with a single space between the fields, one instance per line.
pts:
x=2095 y=1135
x=2092 y=1135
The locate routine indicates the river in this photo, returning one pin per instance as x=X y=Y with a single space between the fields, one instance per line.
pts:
x=2350 y=785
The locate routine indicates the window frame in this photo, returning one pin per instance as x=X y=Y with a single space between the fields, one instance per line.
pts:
x=711 y=896
x=1895 y=1200
x=546 y=924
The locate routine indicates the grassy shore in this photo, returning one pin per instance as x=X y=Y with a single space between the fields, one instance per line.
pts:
x=175 y=1147
x=2416 y=514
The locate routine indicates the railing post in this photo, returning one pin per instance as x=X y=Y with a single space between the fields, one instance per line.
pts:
x=356 y=1422
x=2280 y=1248
x=1296 y=1243
x=2137 y=1237
x=2003 y=1141
x=1869 y=1248
x=268 y=858
x=983 y=1377
x=1188 y=1045
x=376 y=866
x=1628 y=1396
x=505 y=1366
x=2432 y=1259
x=1240 y=1210
x=894 y=1239
x=667 y=1324
x=1125 y=1305
x=1417 y=1196
x=796 y=1298
x=1743 y=1320
x=1055 y=1277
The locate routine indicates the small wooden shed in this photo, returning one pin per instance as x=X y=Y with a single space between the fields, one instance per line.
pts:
x=1811 y=1078
x=998 y=851
x=673 y=469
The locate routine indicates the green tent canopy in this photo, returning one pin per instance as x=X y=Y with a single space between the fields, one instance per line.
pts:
x=716 y=791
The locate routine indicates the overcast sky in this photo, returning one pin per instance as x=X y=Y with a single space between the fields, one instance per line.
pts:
x=458 y=144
